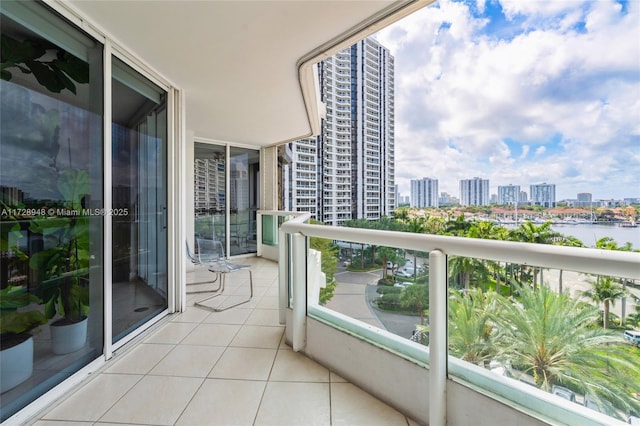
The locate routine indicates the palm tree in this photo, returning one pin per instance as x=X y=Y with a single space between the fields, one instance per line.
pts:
x=609 y=243
x=605 y=290
x=569 y=241
x=416 y=296
x=539 y=234
x=457 y=227
x=416 y=224
x=552 y=337
x=401 y=214
x=387 y=254
x=470 y=327
x=465 y=268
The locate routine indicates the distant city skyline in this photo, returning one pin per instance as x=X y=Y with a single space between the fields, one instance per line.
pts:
x=519 y=93
x=494 y=189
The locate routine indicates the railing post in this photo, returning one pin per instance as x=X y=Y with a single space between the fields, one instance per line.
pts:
x=438 y=346
x=283 y=275
x=259 y=234
x=299 y=262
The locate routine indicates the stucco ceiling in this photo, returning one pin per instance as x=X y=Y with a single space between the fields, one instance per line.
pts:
x=238 y=61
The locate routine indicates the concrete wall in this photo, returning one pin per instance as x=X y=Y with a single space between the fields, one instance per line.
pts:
x=401 y=383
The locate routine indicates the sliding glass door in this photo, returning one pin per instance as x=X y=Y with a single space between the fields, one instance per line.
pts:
x=226 y=192
x=51 y=195
x=243 y=195
x=139 y=179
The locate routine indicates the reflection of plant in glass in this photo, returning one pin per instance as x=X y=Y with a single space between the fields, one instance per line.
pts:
x=65 y=258
x=67 y=261
x=14 y=324
x=54 y=68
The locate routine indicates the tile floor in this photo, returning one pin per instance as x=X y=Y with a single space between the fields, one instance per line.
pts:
x=220 y=368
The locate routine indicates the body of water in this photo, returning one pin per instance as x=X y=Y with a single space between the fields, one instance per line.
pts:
x=590 y=233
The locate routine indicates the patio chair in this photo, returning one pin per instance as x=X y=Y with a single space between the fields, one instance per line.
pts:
x=212 y=253
x=200 y=259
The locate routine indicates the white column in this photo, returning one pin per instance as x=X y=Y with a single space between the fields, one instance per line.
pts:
x=269 y=178
x=437 y=338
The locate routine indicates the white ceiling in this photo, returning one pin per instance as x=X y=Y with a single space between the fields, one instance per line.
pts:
x=237 y=61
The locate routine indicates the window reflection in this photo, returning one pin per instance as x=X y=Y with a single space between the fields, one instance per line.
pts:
x=139 y=200
x=50 y=194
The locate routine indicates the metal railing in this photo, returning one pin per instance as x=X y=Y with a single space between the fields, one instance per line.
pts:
x=293 y=249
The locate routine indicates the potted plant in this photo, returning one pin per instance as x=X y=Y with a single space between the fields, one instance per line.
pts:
x=16 y=343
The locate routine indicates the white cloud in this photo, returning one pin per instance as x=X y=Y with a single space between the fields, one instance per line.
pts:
x=567 y=87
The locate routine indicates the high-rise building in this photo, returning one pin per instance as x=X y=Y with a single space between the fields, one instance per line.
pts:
x=424 y=192
x=584 y=200
x=509 y=194
x=446 y=198
x=543 y=195
x=348 y=171
x=301 y=178
x=474 y=192
x=209 y=185
x=584 y=197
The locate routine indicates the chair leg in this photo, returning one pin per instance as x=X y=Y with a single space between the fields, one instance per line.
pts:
x=206 y=282
x=220 y=309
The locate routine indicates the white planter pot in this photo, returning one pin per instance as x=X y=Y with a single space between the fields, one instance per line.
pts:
x=68 y=338
x=16 y=364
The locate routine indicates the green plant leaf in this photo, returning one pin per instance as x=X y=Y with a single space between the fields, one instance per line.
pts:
x=13 y=297
x=21 y=322
x=73 y=184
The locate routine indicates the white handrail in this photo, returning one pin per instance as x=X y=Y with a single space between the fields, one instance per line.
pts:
x=588 y=260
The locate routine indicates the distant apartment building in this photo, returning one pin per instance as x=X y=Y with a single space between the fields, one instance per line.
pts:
x=446 y=198
x=543 y=195
x=474 y=192
x=209 y=184
x=509 y=194
x=301 y=178
x=12 y=196
x=348 y=171
x=401 y=199
x=424 y=192
x=584 y=199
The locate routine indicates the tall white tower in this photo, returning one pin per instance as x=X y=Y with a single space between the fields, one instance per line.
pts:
x=424 y=192
x=353 y=159
x=543 y=194
x=474 y=192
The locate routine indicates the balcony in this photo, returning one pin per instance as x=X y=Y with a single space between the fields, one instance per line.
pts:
x=182 y=370
x=233 y=367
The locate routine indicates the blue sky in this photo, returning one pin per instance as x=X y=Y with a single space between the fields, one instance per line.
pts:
x=520 y=92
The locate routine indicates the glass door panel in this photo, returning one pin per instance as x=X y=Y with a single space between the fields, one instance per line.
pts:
x=210 y=191
x=243 y=196
x=51 y=195
x=139 y=199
